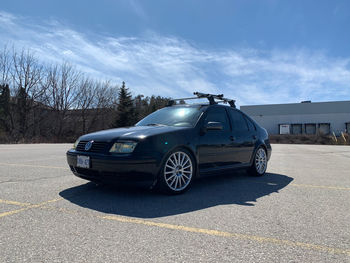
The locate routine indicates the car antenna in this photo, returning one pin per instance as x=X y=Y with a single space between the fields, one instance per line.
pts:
x=211 y=97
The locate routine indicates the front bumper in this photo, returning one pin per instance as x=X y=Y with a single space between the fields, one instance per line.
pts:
x=115 y=168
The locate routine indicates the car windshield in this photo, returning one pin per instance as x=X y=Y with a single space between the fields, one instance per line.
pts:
x=172 y=116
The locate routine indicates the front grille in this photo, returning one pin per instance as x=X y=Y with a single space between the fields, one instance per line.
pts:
x=97 y=147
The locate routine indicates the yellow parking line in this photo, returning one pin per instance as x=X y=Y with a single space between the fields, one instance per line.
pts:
x=32 y=165
x=41 y=159
x=306 y=185
x=321 y=186
x=228 y=234
x=29 y=207
x=210 y=232
x=13 y=212
x=8 y=202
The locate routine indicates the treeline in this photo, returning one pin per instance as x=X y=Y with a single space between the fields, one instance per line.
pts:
x=57 y=103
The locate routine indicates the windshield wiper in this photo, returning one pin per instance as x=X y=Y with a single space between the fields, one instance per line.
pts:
x=155 y=124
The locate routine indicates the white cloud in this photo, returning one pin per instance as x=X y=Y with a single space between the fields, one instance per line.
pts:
x=171 y=66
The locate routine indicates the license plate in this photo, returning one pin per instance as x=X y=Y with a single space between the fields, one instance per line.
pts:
x=83 y=161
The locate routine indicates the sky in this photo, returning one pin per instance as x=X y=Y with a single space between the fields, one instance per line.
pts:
x=257 y=52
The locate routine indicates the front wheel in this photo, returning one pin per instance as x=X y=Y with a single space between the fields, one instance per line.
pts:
x=259 y=165
x=177 y=172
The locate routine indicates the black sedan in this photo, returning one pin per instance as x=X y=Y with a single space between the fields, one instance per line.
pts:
x=169 y=148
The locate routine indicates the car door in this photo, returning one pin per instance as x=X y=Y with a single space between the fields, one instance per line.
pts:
x=244 y=137
x=253 y=137
x=213 y=146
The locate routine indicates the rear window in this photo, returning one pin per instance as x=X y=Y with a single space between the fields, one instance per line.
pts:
x=250 y=124
x=238 y=121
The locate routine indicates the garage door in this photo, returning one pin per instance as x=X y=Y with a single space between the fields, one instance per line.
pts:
x=324 y=128
x=310 y=128
x=284 y=128
x=297 y=128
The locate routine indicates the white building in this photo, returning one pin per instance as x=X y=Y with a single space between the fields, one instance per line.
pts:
x=302 y=118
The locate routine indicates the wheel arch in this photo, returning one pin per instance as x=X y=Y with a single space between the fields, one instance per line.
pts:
x=257 y=146
x=188 y=148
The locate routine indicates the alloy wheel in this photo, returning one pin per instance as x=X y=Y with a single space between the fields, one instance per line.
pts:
x=178 y=171
x=260 y=161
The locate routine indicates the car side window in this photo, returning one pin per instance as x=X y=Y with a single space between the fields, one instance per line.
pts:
x=218 y=115
x=250 y=124
x=239 y=123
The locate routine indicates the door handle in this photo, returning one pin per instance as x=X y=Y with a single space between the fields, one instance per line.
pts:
x=232 y=138
x=254 y=137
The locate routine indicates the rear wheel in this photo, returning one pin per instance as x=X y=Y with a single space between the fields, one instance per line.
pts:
x=177 y=172
x=259 y=165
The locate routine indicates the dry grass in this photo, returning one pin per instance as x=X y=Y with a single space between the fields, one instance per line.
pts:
x=310 y=139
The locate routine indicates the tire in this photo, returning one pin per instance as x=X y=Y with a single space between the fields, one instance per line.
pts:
x=259 y=165
x=177 y=172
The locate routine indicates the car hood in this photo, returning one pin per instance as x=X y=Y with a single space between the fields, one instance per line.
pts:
x=133 y=132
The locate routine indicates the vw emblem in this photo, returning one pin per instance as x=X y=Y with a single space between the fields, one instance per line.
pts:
x=88 y=145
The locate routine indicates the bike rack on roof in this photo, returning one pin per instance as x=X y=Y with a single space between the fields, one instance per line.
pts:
x=211 y=98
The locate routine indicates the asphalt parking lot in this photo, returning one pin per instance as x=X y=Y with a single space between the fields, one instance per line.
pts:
x=298 y=212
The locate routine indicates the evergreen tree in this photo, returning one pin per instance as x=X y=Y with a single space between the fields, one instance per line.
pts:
x=139 y=105
x=125 y=108
x=4 y=106
x=4 y=99
x=22 y=106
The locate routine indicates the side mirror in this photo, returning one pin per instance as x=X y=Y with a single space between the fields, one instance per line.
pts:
x=213 y=125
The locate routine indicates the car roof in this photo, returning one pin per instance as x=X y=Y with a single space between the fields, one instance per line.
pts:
x=215 y=105
x=201 y=105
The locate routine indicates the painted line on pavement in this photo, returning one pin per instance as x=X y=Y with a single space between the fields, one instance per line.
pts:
x=8 y=202
x=321 y=186
x=34 y=166
x=43 y=159
x=29 y=207
x=306 y=185
x=210 y=232
x=218 y=233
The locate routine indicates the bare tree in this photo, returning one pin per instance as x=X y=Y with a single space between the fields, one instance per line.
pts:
x=105 y=99
x=57 y=103
x=106 y=95
x=26 y=77
x=62 y=94
x=85 y=100
x=27 y=74
x=5 y=66
x=6 y=117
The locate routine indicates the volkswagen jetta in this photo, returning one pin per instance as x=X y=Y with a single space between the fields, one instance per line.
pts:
x=169 y=148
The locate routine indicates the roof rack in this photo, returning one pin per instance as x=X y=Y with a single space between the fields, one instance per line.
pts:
x=211 y=97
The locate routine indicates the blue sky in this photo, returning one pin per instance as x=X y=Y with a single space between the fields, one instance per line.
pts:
x=255 y=51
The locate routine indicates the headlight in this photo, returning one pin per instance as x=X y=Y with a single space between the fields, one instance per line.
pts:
x=123 y=147
x=76 y=144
